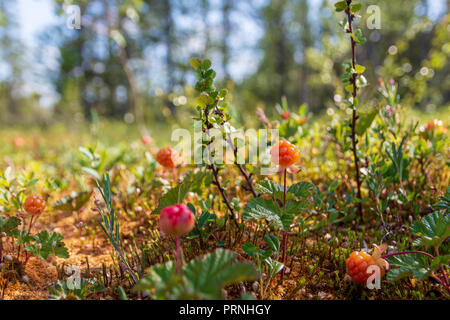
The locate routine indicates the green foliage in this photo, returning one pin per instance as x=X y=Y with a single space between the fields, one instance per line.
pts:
x=201 y=278
x=191 y=182
x=411 y=264
x=65 y=289
x=8 y=225
x=432 y=229
x=74 y=202
x=271 y=210
x=45 y=243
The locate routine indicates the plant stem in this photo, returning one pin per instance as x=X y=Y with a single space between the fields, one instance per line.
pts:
x=178 y=254
x=355 y=117
x=283 y=231
x=406 y=252
x=441 y=267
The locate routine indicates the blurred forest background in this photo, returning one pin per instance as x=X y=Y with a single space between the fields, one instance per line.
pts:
x=130 y=58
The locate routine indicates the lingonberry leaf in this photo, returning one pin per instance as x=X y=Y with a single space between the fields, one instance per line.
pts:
x=365 y=122
x=355 y=7
x=432 y=229
x=341 y=6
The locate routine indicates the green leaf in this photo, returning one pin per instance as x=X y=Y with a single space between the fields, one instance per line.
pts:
x=205 y=277
x=441 y=260
x=444 y=201
x=411 y=264
x=176 y=194
x=365 y=122
x=91 y=172
x=432 y=230
x=195 y=63
x=8 y=225
x=268 y=187
x=301 y=189
x=349 y=88
x=250 y=249
x=74 y=202
x=206 y=64
x=272 y=242
x=359 y=69
x=48 y=243
x=162 y=282
x=341 y=6
x=355 y=7
x=294 y=207
x=258 y=208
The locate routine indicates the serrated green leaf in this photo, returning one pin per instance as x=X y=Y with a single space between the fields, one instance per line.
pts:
x=411 y=264
x=258 y=208
x=45 y=243
x=205 y=277
x=301 y=189
x=268 y=187
x=432 y=229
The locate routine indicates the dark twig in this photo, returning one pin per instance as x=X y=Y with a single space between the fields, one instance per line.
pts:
x=350 y=17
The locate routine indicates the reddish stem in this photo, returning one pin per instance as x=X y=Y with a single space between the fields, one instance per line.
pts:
x=284 y=232
x=406 y=252
x=178 y=254
x=441 y=267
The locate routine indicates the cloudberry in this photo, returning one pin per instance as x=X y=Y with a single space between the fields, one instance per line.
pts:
x=285 y=115
x=18 y=142
x=34 y=205
x=176 y=220
x=357 y=265
x=146 y=140
x=168 y=158
x=284 y=154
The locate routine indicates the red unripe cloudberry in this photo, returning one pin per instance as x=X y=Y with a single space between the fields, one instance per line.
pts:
x=176 y=220
x=285 y=115
x=168 y=157
x=146 y=140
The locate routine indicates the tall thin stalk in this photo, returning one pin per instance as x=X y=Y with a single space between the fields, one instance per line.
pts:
x=353 y=79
